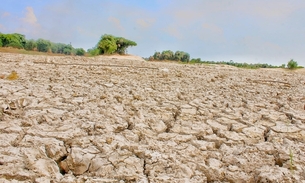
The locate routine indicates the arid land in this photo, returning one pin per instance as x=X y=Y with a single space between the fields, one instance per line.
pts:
x=122 y=119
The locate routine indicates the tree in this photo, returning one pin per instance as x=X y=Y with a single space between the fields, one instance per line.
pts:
x=13 y=40
x=68 y=49
x=43 y=45
x=80 y=51
x=93 y=51
x=292 y=64
x=123 y=44
x=107 y=44
x=110 y=44
x=167 y=55
x=157 y=56
x=178 y=55
x=1 y=44
x=30 y=44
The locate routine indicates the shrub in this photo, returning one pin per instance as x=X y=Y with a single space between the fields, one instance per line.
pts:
x=15 y=45
x=30 y=44
x=43 y=45
x=292 y=64
x=93 y=51
x=80 y=51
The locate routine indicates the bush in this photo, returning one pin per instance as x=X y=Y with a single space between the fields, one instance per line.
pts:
x=15 y=45
x=93 y=51
x=43 y=45
x=292 y=64
x=30 y=44
x=13 y=40
x=80 y=51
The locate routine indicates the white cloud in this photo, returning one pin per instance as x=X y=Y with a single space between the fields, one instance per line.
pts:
x=116 y=22
x=145 y=23
x=30 y=17
x=5 y=14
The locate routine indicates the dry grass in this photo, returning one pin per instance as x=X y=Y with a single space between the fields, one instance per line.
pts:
x=12 y=76
x=22 y=51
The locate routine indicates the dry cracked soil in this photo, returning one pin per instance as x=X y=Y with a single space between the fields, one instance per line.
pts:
x=122 y=119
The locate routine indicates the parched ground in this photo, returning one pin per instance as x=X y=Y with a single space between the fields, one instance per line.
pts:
x=122 y=119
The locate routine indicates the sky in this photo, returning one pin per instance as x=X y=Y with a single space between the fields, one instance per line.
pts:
x=250 y=31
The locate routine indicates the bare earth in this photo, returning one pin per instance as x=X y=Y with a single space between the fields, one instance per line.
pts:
x=122 y=119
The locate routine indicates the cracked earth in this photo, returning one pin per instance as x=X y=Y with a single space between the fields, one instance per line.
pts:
x=121 y=119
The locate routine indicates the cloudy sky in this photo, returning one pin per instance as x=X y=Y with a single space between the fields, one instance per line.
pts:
x=252 y=31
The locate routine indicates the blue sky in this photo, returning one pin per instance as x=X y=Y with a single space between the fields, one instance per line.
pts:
x=252 y=31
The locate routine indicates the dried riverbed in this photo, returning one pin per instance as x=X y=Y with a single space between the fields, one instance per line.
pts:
x=121 y=119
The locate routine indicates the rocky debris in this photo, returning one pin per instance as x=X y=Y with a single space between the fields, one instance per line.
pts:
x=111 y=119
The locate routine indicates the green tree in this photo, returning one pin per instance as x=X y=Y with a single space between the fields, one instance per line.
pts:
x=123 y=44
x=157 y=56
x=30 y=44
x=93 y=51
x=167 y=55
x=13 y=40
x=1 y=44
x=107 y=44
x=186 y=57
x=43 y=45
x=178 y=55
x=80 y=51
x=110 y=44
x=292 y=64
x=68 y=49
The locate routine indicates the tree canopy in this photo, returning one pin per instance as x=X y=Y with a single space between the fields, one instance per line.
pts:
x=292 y=64
x=14 y=40
x=170 y=55
x=43 y=45
x=110 y=44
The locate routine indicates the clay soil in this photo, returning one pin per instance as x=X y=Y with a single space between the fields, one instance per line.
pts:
x=123 y=119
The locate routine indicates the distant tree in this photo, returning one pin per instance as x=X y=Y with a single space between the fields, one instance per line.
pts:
x=178 y=55
x=1 y=44
x=157 y=56
x=55 y=47
x=186 y=57
x=283 y=66
x=80 y=51
x=195 y=60
x=292 y=64
x=107 y=44
x=167 y=55
x=68 y=49
x=93 y=51
x=110 y=44
x=43 y=45
x=170 y=55
x=13 y=40
x=30 y=44
x=123 y=44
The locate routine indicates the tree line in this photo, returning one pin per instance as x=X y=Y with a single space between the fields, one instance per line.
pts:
x=292 y=64
x=109 y=44
x=170 y=55
x=19 y=41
